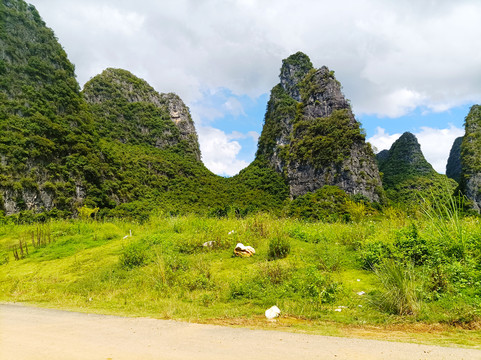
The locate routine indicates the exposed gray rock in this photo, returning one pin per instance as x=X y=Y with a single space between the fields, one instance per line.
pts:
x=358 y=174
x=180 y=115
x=294 y=70
x=300 y=134
x=30 y=199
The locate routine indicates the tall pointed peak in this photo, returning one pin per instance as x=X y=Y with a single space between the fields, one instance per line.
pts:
x=293 y=70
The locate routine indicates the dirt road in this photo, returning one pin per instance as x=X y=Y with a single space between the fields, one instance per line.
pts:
x=33 y=333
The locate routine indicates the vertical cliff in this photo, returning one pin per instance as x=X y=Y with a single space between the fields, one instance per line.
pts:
x=471 y=157
x=453 y=166
x=310 y=134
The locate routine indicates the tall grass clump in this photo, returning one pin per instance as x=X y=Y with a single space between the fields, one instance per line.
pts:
x=133 y=255
x=279 y=247
x=445 y=217
x=397 y=288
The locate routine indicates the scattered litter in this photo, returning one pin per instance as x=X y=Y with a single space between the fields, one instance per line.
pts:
x=244 y=251
x=358 y=279
x=129 y=235
x=231 y=232
x=338 y=310
x=208 y=244
x=272 y=312
x=359 y=305
x=90 y=299
x=360 y=293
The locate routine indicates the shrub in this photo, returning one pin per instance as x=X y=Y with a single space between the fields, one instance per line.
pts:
x=374 y=253
x=133 y=255
x=410 y=246
x=279 y=247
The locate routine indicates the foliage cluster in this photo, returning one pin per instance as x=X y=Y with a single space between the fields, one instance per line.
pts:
x=325 y=141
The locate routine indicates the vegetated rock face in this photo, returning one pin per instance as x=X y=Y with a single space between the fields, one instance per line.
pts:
x=128 y=109
x=453 y=166
x=405 y=159
x=311 y=136
x=471 y=157
x=42 y=116
x=59 y=152
x=407 y=174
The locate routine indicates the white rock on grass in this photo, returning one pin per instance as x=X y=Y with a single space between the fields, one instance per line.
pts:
x=242 y=250
x=272 y=312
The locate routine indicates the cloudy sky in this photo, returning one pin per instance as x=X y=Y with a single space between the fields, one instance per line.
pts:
x=412 y=65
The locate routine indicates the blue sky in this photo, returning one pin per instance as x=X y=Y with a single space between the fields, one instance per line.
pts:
x=411 y=65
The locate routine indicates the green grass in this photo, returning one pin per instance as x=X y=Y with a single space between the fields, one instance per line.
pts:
x=91 y=266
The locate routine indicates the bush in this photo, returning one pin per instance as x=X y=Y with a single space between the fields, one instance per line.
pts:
x=374 y=253
x=133 y=255
x=410 y=246
x=279 y=247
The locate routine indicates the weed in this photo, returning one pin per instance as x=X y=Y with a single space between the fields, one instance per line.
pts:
x=397 y=292
x=279 y=247
x=133 y=255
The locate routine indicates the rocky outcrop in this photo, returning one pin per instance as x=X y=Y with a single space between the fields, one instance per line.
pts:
x=404 y=160
x=129 y=110
x=471 y=157
x=407 y=176
x=311 y=136
x=453 y=166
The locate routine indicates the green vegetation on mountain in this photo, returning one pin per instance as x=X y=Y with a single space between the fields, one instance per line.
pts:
x=407 y=176
x=326 y=141
x=311 y=137
x=280 y=109
x=453 y=166
x=47 y=133
x=149 y=230
x=119 y=145
x=471 y=157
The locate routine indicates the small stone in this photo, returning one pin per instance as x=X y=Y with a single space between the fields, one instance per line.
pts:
x=244 y=251
x=272 y=312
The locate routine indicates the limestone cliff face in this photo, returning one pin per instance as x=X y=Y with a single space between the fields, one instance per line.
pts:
x=471 y=157
x=130 y=110
x=311 y=136
x=453 y=166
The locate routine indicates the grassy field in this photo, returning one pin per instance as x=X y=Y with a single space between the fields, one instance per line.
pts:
x=408 y=278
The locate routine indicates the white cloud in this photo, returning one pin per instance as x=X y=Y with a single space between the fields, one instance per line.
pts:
x=234 y=107
x=382 y=140
x=219 y=151
x=435 y=143
x=423 y=51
